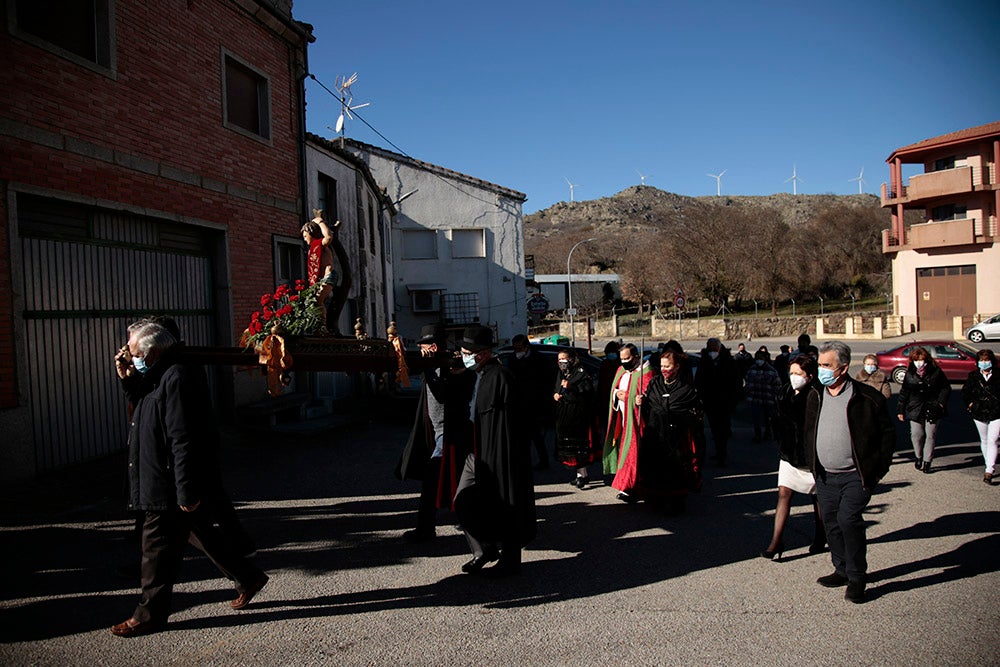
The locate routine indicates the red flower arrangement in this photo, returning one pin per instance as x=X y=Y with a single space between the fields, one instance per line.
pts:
x=294 y=310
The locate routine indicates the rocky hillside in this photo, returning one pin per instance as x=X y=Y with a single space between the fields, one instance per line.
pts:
x=643 y=206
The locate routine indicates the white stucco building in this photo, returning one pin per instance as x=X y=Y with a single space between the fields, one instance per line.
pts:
x=458 y=246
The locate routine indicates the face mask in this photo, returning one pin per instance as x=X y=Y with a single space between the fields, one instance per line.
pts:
x=668 y=374
x=797 y=381
x=759 y=362
x=984 y=365
x=826 y=376
x=870 y=368
x=469 y=360
x=140 y=364
x=563 y=365
x=713 y=355
x=521 y=355
x=918 y=364
x=628 y=365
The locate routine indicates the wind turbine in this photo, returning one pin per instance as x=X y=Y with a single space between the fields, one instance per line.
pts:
x=343 y=86
x=643 y=177
x=718 y=182
x=861 y=180
x=571 y=186
x=794 y=178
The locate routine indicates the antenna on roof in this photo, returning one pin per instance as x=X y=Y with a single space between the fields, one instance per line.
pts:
x=571 y=187
x=343 y=85
x=861 y=180
x=718 y=182
x=643 y=177
x=794 y=178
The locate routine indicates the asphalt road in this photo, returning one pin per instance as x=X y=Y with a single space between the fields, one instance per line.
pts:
x=604 y=582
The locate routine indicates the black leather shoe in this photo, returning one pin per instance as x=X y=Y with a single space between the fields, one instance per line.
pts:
x=855 y=592
x=817 y=547
x=918 y=464
x=926 y=469
x=477 y=563
x=832 y=580
x=582 y=482
x=626 y=498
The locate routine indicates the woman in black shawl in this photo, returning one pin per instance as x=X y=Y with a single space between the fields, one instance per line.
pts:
x=576 y=418
x=671 y=411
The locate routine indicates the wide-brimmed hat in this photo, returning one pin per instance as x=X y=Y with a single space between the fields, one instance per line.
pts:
x=477 y=338
x=432 y=333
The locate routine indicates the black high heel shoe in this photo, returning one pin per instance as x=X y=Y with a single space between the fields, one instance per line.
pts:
x=817 y=547
x=774 y=554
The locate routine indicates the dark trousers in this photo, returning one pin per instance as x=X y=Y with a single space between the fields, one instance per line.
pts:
x=720 y=424
x=842 y=499
x=164 y=536
x=536 y=433
x=427 y=509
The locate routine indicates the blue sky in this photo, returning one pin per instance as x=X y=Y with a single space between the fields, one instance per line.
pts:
x=528 y=94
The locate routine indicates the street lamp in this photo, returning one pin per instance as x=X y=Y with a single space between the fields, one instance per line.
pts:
x=569 y=282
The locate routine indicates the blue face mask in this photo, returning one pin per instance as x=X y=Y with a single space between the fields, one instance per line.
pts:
x=826 y=376
x=985 y=365
x=870 y=368
x=140 y=364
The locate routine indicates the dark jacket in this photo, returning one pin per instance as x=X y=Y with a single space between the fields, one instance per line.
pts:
x=172 y=443
x=981 y=397
x=873 y=436
x=923 y=398
x=718 y=381
x=789 y=423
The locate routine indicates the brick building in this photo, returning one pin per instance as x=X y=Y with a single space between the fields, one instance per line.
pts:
x=947 y=265
x=151 y=152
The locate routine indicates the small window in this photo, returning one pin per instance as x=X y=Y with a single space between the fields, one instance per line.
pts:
x=944 y=163
x=419 y=244
x=948 y=212
x=246 y=98
x=82 y=30
x=945 y=352
x=289 y=260
x=467 y=243
x=327 y=198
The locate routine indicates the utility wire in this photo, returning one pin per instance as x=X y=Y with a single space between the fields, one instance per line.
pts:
x=398 y=149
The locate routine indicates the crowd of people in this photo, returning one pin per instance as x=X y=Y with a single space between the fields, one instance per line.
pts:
x=642 y=418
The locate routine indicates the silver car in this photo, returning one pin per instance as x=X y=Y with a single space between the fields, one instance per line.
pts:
x=988 y=328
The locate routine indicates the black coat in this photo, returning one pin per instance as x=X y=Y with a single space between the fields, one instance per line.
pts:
x=173 y=445
x=923 y=398
x=789 y=422
x=981 y=397
x=672 y=428
x=455 y=393
x=873 y=436
x=719 y=382
x=498 y=504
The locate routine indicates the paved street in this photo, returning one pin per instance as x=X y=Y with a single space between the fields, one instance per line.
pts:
x=604 y=583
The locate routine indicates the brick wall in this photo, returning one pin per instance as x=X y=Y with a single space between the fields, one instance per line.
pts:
x=151 y=136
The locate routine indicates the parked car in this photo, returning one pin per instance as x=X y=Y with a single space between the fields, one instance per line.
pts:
x=956 y=359
x=550 y=357
x=985 y=330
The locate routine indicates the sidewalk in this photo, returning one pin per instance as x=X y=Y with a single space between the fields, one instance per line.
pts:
x=604 y=582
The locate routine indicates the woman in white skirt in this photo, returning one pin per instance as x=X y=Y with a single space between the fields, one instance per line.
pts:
x=793 y=468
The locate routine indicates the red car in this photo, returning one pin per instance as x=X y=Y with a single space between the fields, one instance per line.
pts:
x=956 y=359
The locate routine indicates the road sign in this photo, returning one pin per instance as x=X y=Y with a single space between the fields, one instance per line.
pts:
x=679 y=301
x=571 y=311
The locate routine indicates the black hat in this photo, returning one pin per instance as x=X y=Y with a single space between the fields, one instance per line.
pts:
x=477 y=338
x=432 y=333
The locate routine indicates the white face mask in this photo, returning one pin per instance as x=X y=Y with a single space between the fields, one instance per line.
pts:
x=713 y=355
x=521 y=355
x=797 y=381
x=918 y=364
x=469 y=360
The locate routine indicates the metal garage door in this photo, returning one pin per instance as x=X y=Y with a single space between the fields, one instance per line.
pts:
x=86 y=274
x=944 y=292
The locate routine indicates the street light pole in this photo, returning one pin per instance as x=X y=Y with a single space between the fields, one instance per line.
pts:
x=569 y=283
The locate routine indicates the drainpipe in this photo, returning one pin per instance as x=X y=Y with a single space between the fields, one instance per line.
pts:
x=303 y=172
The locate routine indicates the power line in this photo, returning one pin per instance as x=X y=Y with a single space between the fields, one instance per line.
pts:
x=400 y=150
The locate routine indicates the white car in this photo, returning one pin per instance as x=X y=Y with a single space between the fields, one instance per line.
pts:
x=989 y=328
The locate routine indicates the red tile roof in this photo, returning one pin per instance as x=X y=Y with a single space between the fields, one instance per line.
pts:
x=962 y=136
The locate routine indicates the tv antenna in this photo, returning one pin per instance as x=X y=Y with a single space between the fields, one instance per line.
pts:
x=343 y=85
x=643 y=177
x=794 y=178
x=861 y=181
x=571 y=188
x=718 y=182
